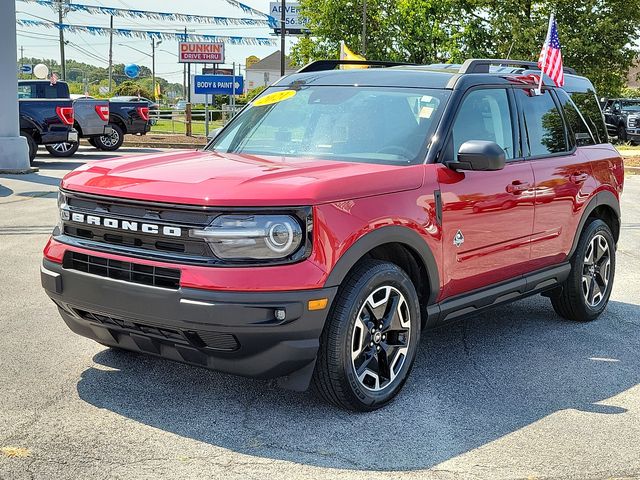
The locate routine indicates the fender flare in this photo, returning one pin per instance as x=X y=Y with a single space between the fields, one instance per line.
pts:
x=381 y=236
x=604 y=197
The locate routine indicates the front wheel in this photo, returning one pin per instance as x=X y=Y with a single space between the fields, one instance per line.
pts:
x=31 y=145
x=65 y=149
x=622 y=134
x=371 y=337
x=585 y=293
x=111 y=142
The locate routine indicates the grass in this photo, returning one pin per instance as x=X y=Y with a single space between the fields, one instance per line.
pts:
x=169 y=126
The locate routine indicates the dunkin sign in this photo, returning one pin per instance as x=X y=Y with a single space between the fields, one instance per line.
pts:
x=201 y=52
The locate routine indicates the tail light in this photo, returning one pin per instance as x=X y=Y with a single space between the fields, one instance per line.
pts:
x=144 y=113
x=65 y=114
x=103 y=112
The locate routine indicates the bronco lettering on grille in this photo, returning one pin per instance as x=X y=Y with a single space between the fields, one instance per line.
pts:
x=127 y=225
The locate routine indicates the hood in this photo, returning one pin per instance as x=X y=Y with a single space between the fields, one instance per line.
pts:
x=214 y=179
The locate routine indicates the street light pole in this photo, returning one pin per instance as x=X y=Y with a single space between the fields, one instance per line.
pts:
x=283 y=19
x=110 y=52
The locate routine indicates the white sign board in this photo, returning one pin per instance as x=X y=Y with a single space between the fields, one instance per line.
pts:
x=292 y=20
x=201 y=52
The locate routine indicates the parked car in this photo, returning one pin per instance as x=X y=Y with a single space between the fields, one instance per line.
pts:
x=332 y=223
x=91 y=116
x=125 y=117
x=180 y=105
x=153 y=106
x=622 y=116
x=46 y=122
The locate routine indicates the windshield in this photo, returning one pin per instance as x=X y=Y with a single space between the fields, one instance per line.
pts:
x=360 y=124
x=631 y=105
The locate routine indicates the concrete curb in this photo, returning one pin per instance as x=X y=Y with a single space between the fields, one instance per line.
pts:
x=21 y=171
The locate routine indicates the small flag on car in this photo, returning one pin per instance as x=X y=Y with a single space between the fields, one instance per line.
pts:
x=347 y=54
x=550 y=61
x=53 y=78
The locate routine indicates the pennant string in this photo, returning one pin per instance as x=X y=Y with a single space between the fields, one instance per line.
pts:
x=264 y=20
x=146 y=34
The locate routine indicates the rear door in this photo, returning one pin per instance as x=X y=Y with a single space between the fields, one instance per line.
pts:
x=563 y=177
x=487 y=217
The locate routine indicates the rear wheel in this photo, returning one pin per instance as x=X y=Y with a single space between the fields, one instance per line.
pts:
x=622 y=134
x=585 y=293
x=371 y=337
x=92 y=142
x=110 y=142
x=65 y=149
x=33 y=146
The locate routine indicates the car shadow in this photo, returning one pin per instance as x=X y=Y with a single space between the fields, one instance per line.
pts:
x=473 y=382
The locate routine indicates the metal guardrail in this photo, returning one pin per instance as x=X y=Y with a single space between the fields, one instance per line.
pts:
x=167 y=120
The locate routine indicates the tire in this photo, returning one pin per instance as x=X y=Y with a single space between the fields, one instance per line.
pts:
x=110 y=143
x=585 y=293
x=33 y=146
x=92 y=142
x=347 y=342
x=65 y=149
x=622 y=134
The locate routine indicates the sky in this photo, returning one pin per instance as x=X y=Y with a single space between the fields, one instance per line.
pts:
x=42 y=42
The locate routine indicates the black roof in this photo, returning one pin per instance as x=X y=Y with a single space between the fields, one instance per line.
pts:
x=439 y=76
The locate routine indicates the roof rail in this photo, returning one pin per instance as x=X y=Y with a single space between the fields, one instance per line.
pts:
x=320 y=65
x=481 y=65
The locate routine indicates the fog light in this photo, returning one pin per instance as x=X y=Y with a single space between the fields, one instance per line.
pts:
x=281 y=314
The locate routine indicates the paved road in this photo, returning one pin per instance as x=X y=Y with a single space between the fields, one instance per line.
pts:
x=513 y=393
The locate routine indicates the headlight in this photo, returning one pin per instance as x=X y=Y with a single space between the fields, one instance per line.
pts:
x=252 y=237
x=63 y=211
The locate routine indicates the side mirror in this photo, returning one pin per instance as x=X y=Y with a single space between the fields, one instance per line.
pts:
x=479 y=155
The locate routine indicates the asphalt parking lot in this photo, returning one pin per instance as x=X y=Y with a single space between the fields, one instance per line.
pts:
x=512 y=393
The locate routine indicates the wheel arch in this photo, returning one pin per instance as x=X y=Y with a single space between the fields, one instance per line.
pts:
x=605 y=206
x=399 y=245
x=119 y=121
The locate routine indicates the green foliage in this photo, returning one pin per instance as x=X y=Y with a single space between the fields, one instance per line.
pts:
x=628 y=92
x=251 y=94
x=132 y=88
x=597 y=35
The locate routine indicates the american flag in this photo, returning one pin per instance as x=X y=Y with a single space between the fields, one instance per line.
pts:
x=550 y=61
x=53 y=79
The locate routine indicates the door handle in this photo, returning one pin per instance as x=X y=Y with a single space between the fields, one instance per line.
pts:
x=517 y=187
x=578 y=177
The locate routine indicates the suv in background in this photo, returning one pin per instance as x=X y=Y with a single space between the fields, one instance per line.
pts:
x=340 y=216
x=622 y=116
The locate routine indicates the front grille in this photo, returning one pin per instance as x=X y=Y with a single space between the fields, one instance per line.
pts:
x=127 y=271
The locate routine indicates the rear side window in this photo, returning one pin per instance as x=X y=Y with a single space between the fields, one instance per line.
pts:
x=25 y=91
x=581 y=132
x=588 y=105
x=484 y=115
x=544 y=125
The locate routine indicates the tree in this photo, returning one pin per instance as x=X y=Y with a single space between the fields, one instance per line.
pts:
x=131 y=88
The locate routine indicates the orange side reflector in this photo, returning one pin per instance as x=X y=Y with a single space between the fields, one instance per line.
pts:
x=319 y=304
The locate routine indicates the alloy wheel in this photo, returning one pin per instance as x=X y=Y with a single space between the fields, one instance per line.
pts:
x=380 y=338
x=111 y=139
x=596 y=271
x=63 y=147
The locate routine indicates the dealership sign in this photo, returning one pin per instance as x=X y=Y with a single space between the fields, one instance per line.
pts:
x=218 y=84
x=201 y=52
x=293 y=22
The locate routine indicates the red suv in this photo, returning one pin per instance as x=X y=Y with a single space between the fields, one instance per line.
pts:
x=338 y=216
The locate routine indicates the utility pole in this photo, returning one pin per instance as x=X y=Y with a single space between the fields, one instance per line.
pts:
x=364 y=29
x=283 y=19
x=184 y=72
x=61 y=12
x=21 y=54
x=110 y=53
x=153 y=67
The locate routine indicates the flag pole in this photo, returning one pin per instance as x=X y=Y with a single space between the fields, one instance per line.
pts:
x=538 y=91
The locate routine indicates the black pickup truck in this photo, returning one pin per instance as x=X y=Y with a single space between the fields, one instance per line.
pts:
x=46 y=122
x=622 y=116
x=125 y=117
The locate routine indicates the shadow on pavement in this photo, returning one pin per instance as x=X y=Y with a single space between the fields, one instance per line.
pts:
x=473 y=382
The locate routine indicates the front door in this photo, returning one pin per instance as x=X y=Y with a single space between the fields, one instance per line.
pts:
x=487 y=217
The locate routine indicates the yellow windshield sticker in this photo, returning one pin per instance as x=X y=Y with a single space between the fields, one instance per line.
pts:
x=425 y=112
x=274 y=97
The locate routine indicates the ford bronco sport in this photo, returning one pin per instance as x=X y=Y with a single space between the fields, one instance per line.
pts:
x=338 y=216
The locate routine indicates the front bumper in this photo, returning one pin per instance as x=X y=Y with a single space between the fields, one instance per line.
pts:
x=234 y=332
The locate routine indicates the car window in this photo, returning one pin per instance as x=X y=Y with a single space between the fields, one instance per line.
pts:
x=581 y=132
x=484 y=115
x=543 y=123
x=25 y=91
x=589 y=107
x=344 y=123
